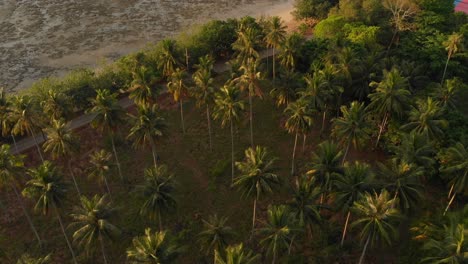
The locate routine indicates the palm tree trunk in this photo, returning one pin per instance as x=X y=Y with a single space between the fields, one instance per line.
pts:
x=254 y=213
x=346 y=152
x=361 y=259
x=153 y=151
x=382 y=126
x=251 y=121
x=451 y=190
x=394 y=198
x=324 y=116
x=37 y=145
x=14 y=143
x=102 y=249
x=391 y=42
x=232 y=151
x=182 y=115
x=116 y=158
x=160 y=220
x=13 y=186
x=208 y=119
x=107 y=185
x=345 y=227
x=65 y=234
x=274 y=67
x=73 y=177
x=445 y=69
x=274 y=257
x=450 y=202
x=294 y=154
x=304 y=143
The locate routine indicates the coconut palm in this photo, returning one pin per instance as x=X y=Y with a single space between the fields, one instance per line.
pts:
x=62 y=143
x=352 y=127
x=279 y=231
x=92 y=223
x=316 y=94
x=5 y=114
x=349 y=186
x=205 y=64
x=426 y=119
x=108 y=116
x=417 y=149
x=246 y=44
x=27 y=259
x=215 y=234
x=57 y=105
x=299 y=122
x=286 y=90
x=377 y=219
x=153 y=248
x=167 y=57
x=47 y=188
x=100 y=166
x=178 y=89
x=142 y=89
x=158 y=193
x=204 y=91
x=11 y=167
x=290 y=51
x=454 y=168
x=257 y=176
x=237 y=255
x=303 y=203
x=452 y=45
x=275 y=35
x=390 y=98
x=228 y=108
x=446 y=94
x=148 y=127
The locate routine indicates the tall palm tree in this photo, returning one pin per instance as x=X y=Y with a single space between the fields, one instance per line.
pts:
x=427 y=119
x=158 y=193
x=279 y=231
x=349 y=186
x=257 y=176
x=454 y=168
x=391 y=97
x=377 y=219
x=92 y=223
x=446 y=94
x=316 y=94
x=246 y=44
x=108 y=116
x=61 y=142
x=286 y=90
x=215 y=234
x=179 y=90
x=275 y=35
x=100 y=166
x=237 y=255
x=47 y=188
x=142 y=89
x=204 y=92
x=453 y=44
x=205 y=63
x=153 y=248
x=11 y=167
x=57 y=105
x=417 y=149
x=27 y=259
x=303 y=203
x=27 y=118
x=228 y=108
x=299 y=122
x=148 y=127
x=6 y=121
x=167 y=57
x=290 y=51
x=352 y=127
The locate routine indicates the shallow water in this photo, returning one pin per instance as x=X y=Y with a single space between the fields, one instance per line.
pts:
x=50 y=37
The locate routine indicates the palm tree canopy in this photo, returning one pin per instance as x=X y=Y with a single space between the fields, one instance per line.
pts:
x=46 y=186
x=57 y=105
x=109 y=114
x=352 y=126
x=228 y=105
x=237 y=255
x=100 y=164
x=60 y=142
x=446 y=94
x=167 y=56
x=303 y=203
x=249 y=80
x=92 y=222
x=148 y=126
x=290 y=51
x=246 y=44
x=415 y=148
x=177 y=84
x=326 y=164
x=275 y=32
x=299 y=117
x=6 y=113
x=205 y=63
x=11 y=166
x=427 y=119
x=215 y=234
x=153 y=248
x=26 y=113
x=453 y=43
x=203 y=90
x=454 y=166
x=143 y=87
x=257 y=173
x=349 y=186
x=27 y=259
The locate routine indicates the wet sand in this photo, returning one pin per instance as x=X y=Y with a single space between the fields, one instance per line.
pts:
x=51 y=37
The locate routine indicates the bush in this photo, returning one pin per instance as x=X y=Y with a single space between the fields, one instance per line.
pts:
x=317 y=9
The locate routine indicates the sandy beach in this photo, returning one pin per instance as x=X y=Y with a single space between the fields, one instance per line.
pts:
x=49 y=37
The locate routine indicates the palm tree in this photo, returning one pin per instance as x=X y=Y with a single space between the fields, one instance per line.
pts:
x=279 y=231
x=416 y=149
x=257 y=175
x=303 y=203
x=91 y=221
x=158 y=193
x=57 y=105
x=142 y=89
x=427 y=119
x=147 y=128
x=446 y=94
x=286 y=90
x=390 y=97
x=166 y=57
x=377 y=218
x=215 y=234
x=204 y=91
x=245 y=45
x=153 y=248
x=61 y=142
x=100 y=165
x=5 y=114
x=454 y=168
x=108 y=116
x=290 y=51
x=228 y=108
x=205 y=64
x=249 y=81
x=453 y=44
x=27 y=259
x=316 y=94
x=179 y=90
x=11 y=167
x=275 y=35
x=47 y=188
x=349 y=186
x=352 y=127
x=299 y=121
x=237 y=255
x=27 y=118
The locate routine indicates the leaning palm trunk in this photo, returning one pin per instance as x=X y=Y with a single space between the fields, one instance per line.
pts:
x=324 y=117
x=209 y=125
x=13 y=186
x=381 y=129
x=65 y=234
x=73 y=177
x=304 y=143
x=254 y=213
x=361 y=259
x=182 y=115
x=153 y=151
x=107 y=185
x=116 y=158
x=251 y=121
x=391 y=42
x=450 y=202
x=274 y=67
x=232 y=152
x=345 y=227
x=160 y=220
x=346 y=152
x=294 y=154
x=14 y=143
x=102 y=249
x=445 y=69
x=37 y=144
